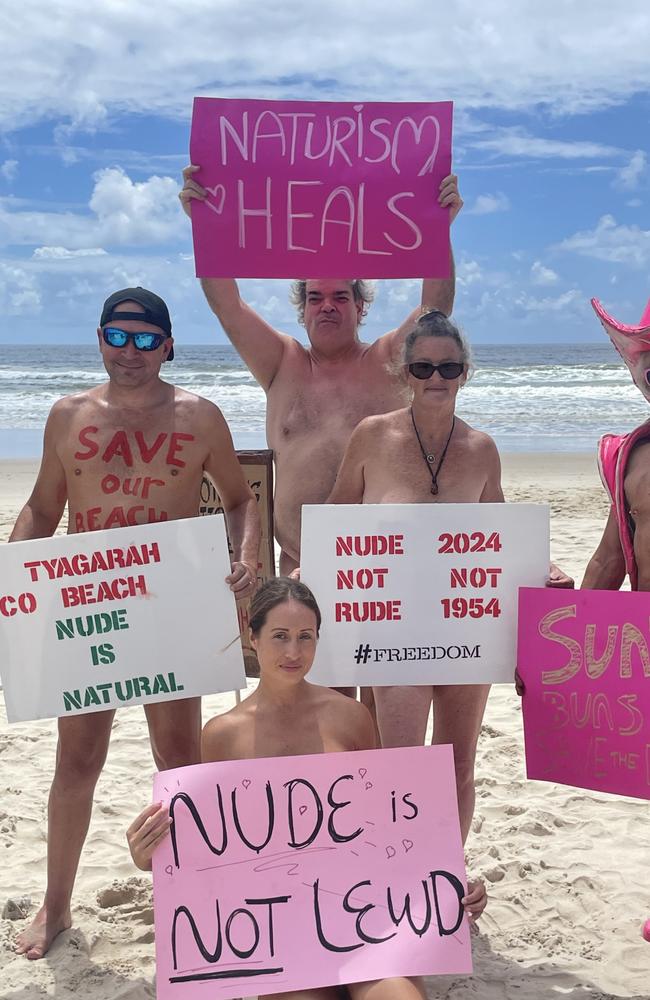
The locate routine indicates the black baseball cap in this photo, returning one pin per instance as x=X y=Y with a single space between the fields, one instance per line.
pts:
x=155 y=310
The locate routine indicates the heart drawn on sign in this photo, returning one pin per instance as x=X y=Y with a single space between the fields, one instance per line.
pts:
x=362 y=772
x=407 y=844
x=302 y=810
x=368 y=785
x=246 y=782
x=218 y=192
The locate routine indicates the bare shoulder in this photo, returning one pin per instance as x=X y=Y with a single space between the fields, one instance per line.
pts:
x=480 y=442
x=295 y=356
x=222 y=734
x=379 y=424
x=68 y=406
x=197 y=408
x=382 y=350
x=351 y=717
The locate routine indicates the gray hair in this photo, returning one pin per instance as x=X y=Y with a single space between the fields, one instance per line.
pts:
x=433 y=323
x=363 y=291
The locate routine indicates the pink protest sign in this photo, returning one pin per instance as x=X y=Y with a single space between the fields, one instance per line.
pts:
x=298 y=872
x=306 y=189
x=584 y=657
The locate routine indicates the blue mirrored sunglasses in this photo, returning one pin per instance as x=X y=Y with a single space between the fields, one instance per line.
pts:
x=144 y=341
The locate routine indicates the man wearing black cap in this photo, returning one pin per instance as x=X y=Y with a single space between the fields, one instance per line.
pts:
x=129 y=451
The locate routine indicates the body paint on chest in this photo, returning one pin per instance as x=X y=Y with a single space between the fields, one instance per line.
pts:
x=122 y=446
x=94 y=519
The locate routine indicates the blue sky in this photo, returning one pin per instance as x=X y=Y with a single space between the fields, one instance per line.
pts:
x=551 y=137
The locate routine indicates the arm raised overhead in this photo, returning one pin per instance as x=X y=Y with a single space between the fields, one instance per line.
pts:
x=437 y=293
x=261 y=346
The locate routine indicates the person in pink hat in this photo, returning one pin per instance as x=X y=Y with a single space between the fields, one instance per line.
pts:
x=624 y=463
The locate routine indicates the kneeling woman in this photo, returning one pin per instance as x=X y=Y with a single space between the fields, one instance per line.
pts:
x=287 y=715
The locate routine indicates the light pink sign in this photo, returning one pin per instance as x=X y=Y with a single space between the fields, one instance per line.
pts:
x=584 y=657
x=306 y=189
x=298 y=872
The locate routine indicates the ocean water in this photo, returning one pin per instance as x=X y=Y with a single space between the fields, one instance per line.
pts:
x=528 y=397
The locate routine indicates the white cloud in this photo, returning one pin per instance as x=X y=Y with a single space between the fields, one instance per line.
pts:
x=487 y=204
x=19 y=292
x=611 y=242
x=9 y=170
x=568 y=300
x=122 y=213
x=628 y=177
x=79 y=282
x=569 y=56
x=518 y=142
x=136 y=213
x=62 y=253
x=468 y=272
x=400 y=292
x=541 y=275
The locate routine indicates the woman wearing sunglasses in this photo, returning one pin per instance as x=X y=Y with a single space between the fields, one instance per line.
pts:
x=426 y=454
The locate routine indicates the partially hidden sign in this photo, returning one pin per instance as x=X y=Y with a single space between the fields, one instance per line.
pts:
x=103 y=619
x=420 y=593
x=320 y=189
x=298 y=872
x=584 y=657
x=257 y=466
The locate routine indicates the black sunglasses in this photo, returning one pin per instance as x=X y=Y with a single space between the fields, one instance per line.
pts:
x=143 y=341
x=425 y=369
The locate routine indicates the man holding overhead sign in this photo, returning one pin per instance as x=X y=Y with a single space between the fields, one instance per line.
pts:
x=318 y=190
x=129 y=452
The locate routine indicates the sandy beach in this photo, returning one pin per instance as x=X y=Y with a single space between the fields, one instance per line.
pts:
x=566 y=868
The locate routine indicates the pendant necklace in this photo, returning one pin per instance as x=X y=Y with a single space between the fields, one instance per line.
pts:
x=430 y=458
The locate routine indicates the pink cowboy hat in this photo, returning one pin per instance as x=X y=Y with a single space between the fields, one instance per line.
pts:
x=629 y=341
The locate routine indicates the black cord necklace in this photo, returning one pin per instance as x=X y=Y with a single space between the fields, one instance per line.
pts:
x=430 y=458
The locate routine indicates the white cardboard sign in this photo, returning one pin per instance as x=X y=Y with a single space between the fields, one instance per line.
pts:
x=420 y=593
x=103 y=619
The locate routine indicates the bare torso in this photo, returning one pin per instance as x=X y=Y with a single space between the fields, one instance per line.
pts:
x=394 y=470
x=319 y=721
x=312 y=410
x=126 y=467
x=637 y=493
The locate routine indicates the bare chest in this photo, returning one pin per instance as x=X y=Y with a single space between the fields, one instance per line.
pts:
x=120 y=474
x=637 y=481
x=309 y=402
x=399 y=473
x=296 y=735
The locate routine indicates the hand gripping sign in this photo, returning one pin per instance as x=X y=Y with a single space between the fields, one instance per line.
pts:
x=584 y=657
x=298 y=872
x=420 y=593
x=320 y=189
x=102 y=619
